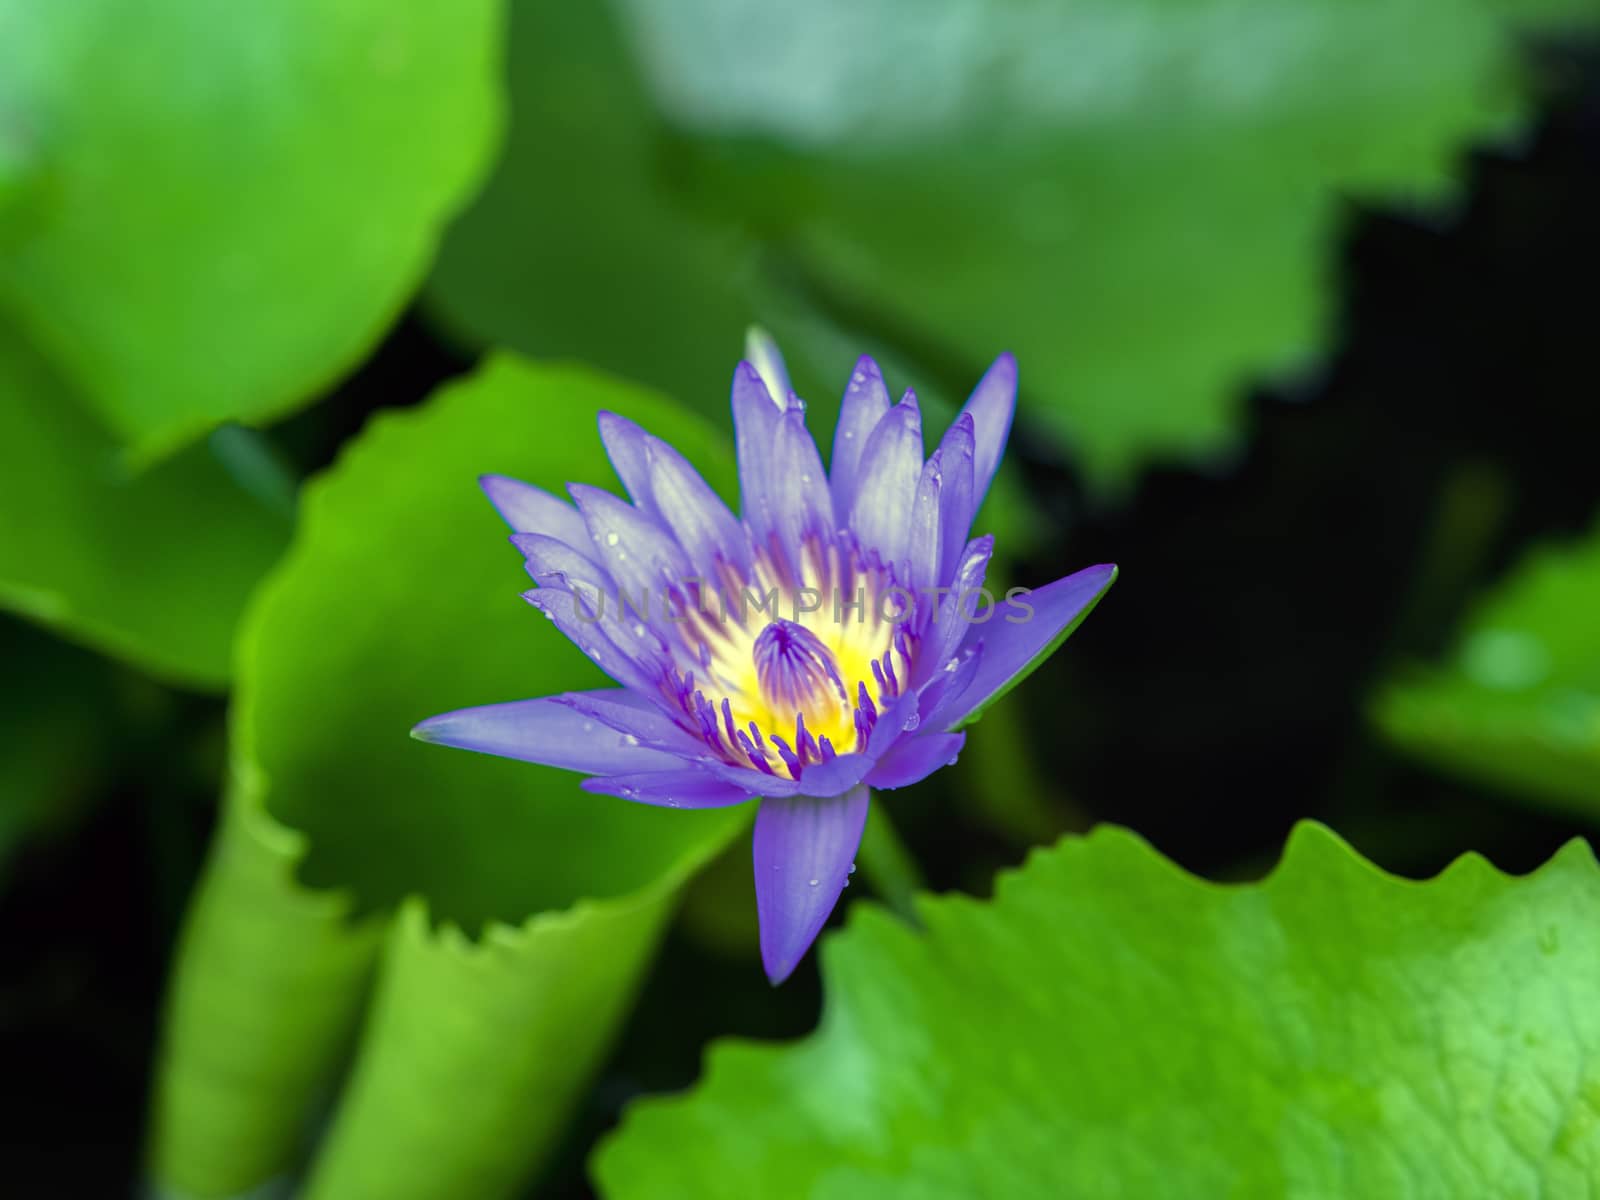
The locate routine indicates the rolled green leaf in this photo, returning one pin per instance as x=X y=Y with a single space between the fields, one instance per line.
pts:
x=502 y=1034
x=269 y=984
x=399 y=598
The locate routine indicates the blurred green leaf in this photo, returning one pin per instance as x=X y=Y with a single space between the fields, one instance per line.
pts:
x=398 y=600
x=1111 y=1027
x=1516 y=703
x=214 y=209
x=1134 y=198
x=154 y=567
x=572 y=249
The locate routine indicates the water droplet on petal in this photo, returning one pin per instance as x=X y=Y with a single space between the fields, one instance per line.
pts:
x=952 y=762
x=588 y=726
x=812 y=882
x=805 y=477
x=852 y=869
x=630 y=739
x=612 y=538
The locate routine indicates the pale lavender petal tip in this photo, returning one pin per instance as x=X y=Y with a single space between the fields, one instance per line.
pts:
x=528 y=509
x=761 y=351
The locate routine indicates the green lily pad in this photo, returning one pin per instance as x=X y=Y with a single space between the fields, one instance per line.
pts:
x=208 y=212
x=1137 y=199
x=155 y=567
x=1516 y=703
x=1109 y=1026
x=529 y=908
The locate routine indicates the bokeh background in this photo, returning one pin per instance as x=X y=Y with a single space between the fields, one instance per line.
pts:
x=1305 y=299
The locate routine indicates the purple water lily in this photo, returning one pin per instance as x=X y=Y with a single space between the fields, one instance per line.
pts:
x=829 y=642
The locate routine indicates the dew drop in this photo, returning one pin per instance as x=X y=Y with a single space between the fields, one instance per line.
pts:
x=852 y=869
x=805 y=477
x=812 y=882
x=588 y=726
x=612 y=538
x=858 y=377
x=952 y=761
x=849 y=435
x=638 y=629
x=951 y=665
x=629 y=739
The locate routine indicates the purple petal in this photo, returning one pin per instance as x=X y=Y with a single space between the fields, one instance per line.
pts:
x=755 y=783
x=943 y=692
x=528 y=509
x=696 y=515
x=1020 y=636
x=914 y=759
x=586 y=630
x=625 y=444
x=923 y=547
x=956 y=610
x=956 y=499
x=838 y=774
x=801 y=501
x=755 y=424
x=803 y=850
x=866 y=400
x=634 y=549
x=542 y=731
x=880 y=515
x=681 y=788
x=552 y=562
x=898 y=718
x=637 y=717
x=992 y=405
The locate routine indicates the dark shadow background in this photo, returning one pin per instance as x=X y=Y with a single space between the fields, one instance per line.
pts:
x=1215 y=699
